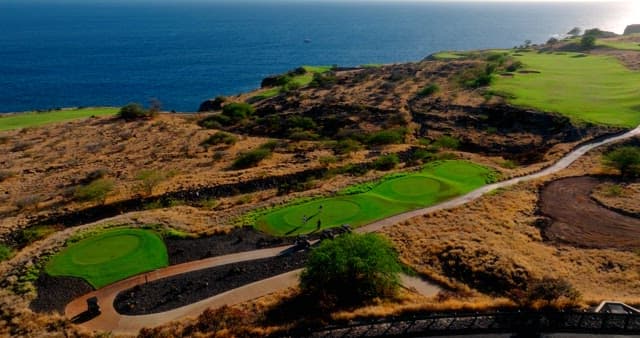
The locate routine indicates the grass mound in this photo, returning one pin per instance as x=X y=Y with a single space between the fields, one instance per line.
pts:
x=597 y=89
x=396 y=194
x=110 y=256
x=33 y=119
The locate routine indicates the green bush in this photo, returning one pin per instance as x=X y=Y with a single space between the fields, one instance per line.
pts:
x=549 y=290
x=5 y=252
x=386 y=162
x=588 y=42
x=625 y=159
x=6 y=174
x=96 y=191
x=448 y=142
x=323 y=80
x=383 y=137
x=220 y=138
x=429 y=90
x=237 y=111
x=346 y=146
x=150 y=178
x=250 y=158
x=367 y=264
x=134 y=111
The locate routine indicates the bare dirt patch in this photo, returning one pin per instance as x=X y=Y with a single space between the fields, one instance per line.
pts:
x=579 y=221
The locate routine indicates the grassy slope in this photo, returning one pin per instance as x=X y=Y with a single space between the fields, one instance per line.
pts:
x=300 y=80
x=623 y=45
x=32 y=119
x=435 y=183
x=110 y=256
x=595 y=89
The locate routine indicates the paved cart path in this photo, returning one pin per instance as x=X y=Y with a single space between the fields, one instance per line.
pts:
x=110 y=320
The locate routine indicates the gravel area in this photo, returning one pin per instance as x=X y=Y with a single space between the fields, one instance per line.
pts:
x=238 y=240
x=174 y=292
x=54 y=293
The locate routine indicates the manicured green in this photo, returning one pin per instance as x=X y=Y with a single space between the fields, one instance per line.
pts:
x=317 y=69
x=33 y=119
x=624 y=45
x=110 y=256
x=449 y=55
x=437 y=182
x=591 y=88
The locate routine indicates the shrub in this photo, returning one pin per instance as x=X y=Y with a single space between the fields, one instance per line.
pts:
x=515 y=65
x=5 y=252
x=447 y=141
x=250 y=158
x=346 y=146
x=625 y=159
x=323 y=80
x=429 y=90
x=28 y=202
x=588 y=42
x=614 y=190
x=134 y=111
x=327 y=160
x=386 y=137
x=220 y=138
x=366 y=263
x=419 y=156
x=386 y=162
x=96 y=191
x=237 y=111
x=6 y=174
x=549 y=290
x=150 y=178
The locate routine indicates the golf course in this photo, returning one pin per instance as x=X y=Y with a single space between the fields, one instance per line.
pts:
x=110 y=256
x=587 y=88
x=395 y=194
x=34 y=119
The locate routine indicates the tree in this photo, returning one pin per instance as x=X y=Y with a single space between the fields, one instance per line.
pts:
x=588 y=42
x=626 y=159
x=150 y=178
x=549 y=290
x=575 y=31
x=134 y=111
x=367 y=264
x=97 y=191
x=552 y=41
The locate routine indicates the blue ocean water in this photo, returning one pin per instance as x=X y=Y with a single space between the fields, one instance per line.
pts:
x=61 y=54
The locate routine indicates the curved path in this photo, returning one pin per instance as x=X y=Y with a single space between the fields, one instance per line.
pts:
x=110 y=320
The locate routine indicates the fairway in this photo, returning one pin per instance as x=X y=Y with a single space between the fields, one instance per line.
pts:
x=110 y=256
x=33 y=119
x=592 y=88
x=437 y=182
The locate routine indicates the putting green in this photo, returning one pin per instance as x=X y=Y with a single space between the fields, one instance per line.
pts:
x=110 y=256
x=435 y=183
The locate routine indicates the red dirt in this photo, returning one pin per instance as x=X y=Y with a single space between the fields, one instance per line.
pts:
x=579 y=221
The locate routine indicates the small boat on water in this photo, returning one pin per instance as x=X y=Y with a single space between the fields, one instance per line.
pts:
x=307 y=40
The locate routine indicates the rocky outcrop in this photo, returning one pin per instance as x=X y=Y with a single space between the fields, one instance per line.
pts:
x=632 y=29
x=523 y=135
x=212 y=104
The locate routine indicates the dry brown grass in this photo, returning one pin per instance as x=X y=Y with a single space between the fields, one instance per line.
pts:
x=621 y=196
x=495 y=235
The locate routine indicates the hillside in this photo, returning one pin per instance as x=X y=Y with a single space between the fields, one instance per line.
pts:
x=388 y=139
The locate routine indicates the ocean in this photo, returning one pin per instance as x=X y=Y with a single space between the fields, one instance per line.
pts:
x=63 y=54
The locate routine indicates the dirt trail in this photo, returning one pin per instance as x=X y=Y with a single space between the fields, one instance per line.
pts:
x=580 y=221
x=110 y=320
